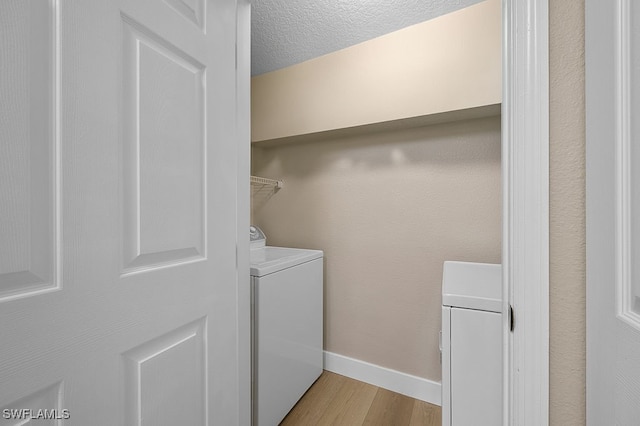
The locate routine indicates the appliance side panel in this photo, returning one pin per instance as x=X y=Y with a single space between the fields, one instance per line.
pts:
x=289 y=337
x=476 y=367
x=254 y=351
x=445 y=356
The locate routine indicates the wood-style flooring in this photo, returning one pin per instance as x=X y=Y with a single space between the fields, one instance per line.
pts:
x=339 y=400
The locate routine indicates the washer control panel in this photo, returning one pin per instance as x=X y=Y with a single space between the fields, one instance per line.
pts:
x=256 y=236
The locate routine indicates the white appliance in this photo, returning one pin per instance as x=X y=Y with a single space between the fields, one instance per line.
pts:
x=471 y=344
x=286 y=289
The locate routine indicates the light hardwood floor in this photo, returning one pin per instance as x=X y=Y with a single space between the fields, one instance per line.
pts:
x=339 y=400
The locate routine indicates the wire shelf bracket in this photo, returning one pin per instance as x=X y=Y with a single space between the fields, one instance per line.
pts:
x=265 y=182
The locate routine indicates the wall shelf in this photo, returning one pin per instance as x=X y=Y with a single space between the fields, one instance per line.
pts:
x=473 y=113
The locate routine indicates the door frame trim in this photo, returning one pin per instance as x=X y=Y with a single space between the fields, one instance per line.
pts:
x=525 y=239
x=243 y=208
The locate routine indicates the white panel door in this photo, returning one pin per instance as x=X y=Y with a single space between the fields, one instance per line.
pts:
x=613 y=212
x=118 y=225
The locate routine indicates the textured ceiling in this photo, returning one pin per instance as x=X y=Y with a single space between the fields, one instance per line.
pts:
x=287 y=32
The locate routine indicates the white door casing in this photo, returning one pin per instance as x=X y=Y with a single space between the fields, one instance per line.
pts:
x=243 y=146
x=121 y=167
x=613 y=208
x=525 y=198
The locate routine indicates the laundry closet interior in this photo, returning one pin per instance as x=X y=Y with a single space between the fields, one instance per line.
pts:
x=386 y=155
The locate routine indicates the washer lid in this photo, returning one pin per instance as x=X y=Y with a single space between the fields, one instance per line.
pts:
x=472 y=285
x=267 y=260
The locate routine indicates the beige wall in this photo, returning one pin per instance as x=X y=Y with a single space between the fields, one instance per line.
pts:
x=423 y=70
x=567 y=213
x=387 y=209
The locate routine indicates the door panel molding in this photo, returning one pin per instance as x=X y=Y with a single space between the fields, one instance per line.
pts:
x=49 y=398
x=627 y=294
x=193 y=11
x=165 y=146
x=177 y=357
x=30 y=246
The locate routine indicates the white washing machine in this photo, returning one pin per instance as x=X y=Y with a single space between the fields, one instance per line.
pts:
x=287 y=317
x=471 y=344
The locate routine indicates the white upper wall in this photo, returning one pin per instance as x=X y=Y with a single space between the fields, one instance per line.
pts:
x=287 y=32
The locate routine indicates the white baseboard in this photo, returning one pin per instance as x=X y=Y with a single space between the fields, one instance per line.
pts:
x=396 y=381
